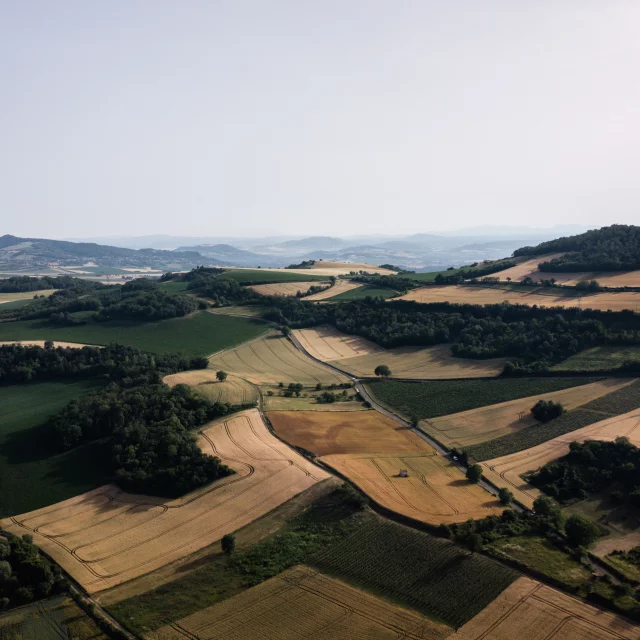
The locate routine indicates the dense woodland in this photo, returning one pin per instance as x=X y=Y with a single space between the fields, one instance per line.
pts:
x=591 y=467
x=525 y=334
x=614 y=248
x=22 y=284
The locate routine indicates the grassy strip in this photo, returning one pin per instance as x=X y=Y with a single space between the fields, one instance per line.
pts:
x=30 y=477
x=429 y=574
x=325 y=523
x=604 y=358
x=259 y=276
x=613 y=404
x=198 y=334
x=442 y=397
x=360 y=293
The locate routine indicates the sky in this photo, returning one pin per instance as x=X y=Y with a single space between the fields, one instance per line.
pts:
x=325 y=117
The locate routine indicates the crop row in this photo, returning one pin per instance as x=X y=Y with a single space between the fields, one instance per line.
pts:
x=431 y=575
x=613 y=404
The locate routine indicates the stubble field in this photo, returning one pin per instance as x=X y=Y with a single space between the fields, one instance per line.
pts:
x=106 y=537
x=529 y=610
x=526 y=268
x=328 y=344
x=506 y=471
x=233 y=390
x=23 y=295
x=486 y=423
x=271 y=359
x=285 y=288
x=302 y=603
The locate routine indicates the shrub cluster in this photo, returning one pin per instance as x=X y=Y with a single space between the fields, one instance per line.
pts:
x=545 y=410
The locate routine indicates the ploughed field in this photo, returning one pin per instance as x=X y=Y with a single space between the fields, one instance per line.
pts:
x=486 y=423
x=360 y=357
x=477 y=294
x=105 y=537
x=529 y=610
x=271 y=359
x=284 y=288
x=233 y=390
x=506 y=471
x=303 y=603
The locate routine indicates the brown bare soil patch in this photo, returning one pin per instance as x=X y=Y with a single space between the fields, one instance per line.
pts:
x=331 y=432
x=529 y=610
x=106 y=537
x=421 y=363
x=468 y=294
x=284 y=288
x=486 y=423
x=303 y=603
x=341 y=286
x=506 y=470
x=271 y=359
x=434 y=490
x=328 y=344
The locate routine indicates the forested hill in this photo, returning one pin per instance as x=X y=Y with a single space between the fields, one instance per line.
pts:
x=614 y=248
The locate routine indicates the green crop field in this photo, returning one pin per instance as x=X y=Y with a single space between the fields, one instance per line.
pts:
x=363 y=292
x=441 y=397
x=173 y=287
x=201 y=333
x=602 y=358
x=429 y=574
x=613 y=404
x=30 y=477
x=258 y=276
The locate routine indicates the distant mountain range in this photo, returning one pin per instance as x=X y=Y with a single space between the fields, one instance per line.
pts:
x=418 y=252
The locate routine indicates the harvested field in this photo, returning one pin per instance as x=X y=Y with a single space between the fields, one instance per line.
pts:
x=474 y=294
x=271 y=359
x=55 y=619
x=348 y=267
x=308 y=401
x=40 y=343
x=527 y=268
x=284 y=288
x=302 y=603
x=340 y=287
x=24 y=295
x=106 y=537
x=327 y=344
x=434 y=491
x=506 y=471
x=529 y=609
x=233 y=390
x=486 y=423
x=243 y=311
x=429 y=574
x=325 y=433
x=421 y=363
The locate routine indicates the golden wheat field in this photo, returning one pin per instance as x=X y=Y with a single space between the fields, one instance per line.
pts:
x=506 y=470
x=106 y=536
x=303 y=603
x=434 y=490
x=272 y=358
x=529 y=610
x=285 y=288
x=329 y=432
x=24 y=295
x=233 y=390
x=421 y=363
x=475 y=294
x=327 y=344
x=340 y=286
x=487 y=423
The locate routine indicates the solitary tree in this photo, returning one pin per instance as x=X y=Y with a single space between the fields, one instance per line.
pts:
x=505 y=496
x=221 y=375
x=228 y=543
x=474 y=472
x=544 y=506
x=382 y=370
x=474 y=542
x=580 y=531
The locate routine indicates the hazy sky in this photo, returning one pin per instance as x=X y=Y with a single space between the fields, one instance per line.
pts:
x=327 y=116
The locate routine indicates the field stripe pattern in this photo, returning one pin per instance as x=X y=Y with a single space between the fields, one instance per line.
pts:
x=106 y=537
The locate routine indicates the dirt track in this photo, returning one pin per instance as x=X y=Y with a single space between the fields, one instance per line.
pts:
x=105 y=537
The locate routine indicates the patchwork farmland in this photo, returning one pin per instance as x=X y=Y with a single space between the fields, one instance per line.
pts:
x=533 y=611
x=476 y=294
x=106 y=537
x=486 y=423
x=271 y=359
x=507 y=471
x=303 y=603
x=233 y=390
